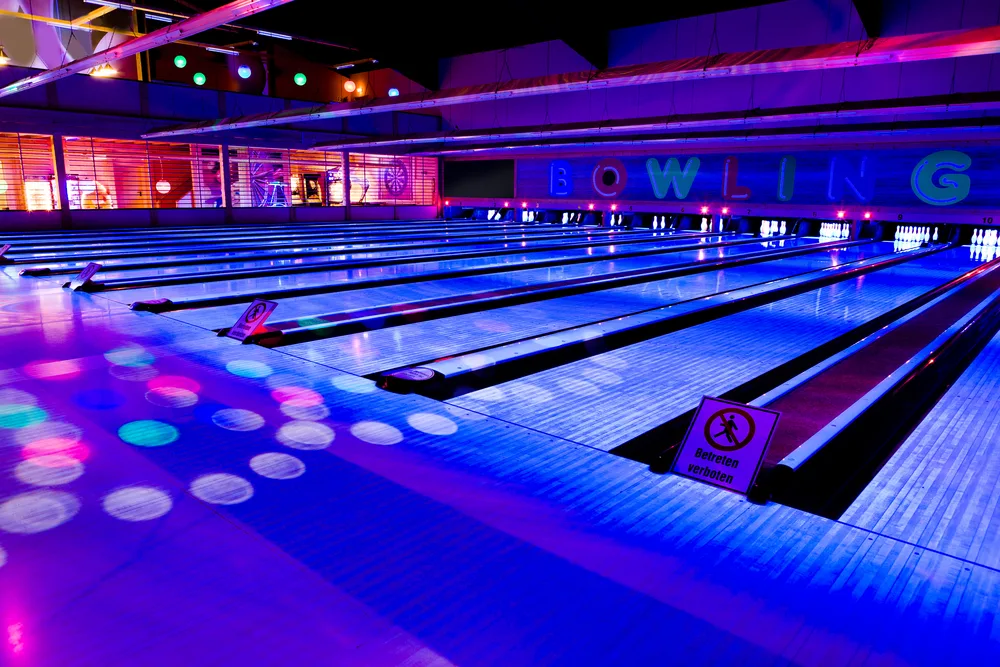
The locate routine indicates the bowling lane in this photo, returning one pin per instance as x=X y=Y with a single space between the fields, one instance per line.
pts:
x=939 y=490
x=608 y=399
x=361 y=252
x=53 y=253
x=306 y=306
x=375 y=351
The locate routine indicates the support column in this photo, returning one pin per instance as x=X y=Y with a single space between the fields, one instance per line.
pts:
x=60 y=159
x=227 y=185
x=344 y=157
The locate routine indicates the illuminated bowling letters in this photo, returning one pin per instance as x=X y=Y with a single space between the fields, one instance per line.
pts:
x=610 y=177
x=671 y=176
x=950 y=188
x=730 y=173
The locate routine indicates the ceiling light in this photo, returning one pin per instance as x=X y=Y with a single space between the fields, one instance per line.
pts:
x=219 y=49
x=199 y=79
x=109 y=3
x=345 y=66
x=244 y=71
x=349 y=86
x=103 y=70
x=275 y=35
x=180 y=62
x=394 y=92
x=161 y=19
x=300 y=79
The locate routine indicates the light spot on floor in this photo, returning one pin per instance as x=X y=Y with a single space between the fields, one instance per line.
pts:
x=610 y=361
x=172 y=397
x=305 y=435
x=431 y=423
x=601 y=376
x=249 y=369
x=307 y=412
x=49 y=470
x=578 y=387
x=354 y=385
x=134 y=373
x=66 y=369
x=148 y=433
x=222 y=489
x=18 y=415
x=490 y=394
x=277 y=466
x=37 y=511
x=46 y=430
x=130 y=355
x=376 y=433
x=137 y=503
x=234 y=419
x=531 y=393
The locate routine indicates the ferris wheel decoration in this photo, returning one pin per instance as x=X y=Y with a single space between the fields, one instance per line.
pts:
x=395 y=178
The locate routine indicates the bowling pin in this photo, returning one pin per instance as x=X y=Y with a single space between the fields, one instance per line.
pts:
x=784 y=228
x=935 y=237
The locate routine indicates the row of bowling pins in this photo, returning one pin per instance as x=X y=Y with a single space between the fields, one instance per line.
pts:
x=985 y=253
x=772 y=227
x=527 y=216
x=987 y=237
x=569 y=217
x=835 y=230
x=911 y=234
x=661 y=222
x=617 y=221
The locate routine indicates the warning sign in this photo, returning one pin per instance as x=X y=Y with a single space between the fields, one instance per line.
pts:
x=252 y=319
x=83 y=280
x=726 y=443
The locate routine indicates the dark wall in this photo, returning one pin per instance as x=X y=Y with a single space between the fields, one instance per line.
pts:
x=479 y=178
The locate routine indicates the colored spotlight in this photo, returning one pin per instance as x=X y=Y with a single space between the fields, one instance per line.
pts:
x=868 y=215
x=704 y=209
x=300 y=79
x=614 y=207
x=841 y=214
x=200 y=79
x=394 y=92
x=350 y=86
x=590 y=207
x=180 y=62
x=244 y=71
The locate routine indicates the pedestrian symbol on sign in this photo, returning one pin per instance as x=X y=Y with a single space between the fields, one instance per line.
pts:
x=730 y=429
x=251 y=320
x=255 y=312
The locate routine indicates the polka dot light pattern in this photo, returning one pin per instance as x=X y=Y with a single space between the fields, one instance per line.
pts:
x=277 y=466
x=49 y=470
x=37 y=511
x=16 y=415
x=234 y=419
x=376 y=433
x=137 y=503
x=171 y=397
x=249 y=369
x=148 y=433
x=431 y=423
x=222 y=489
x=305 y=435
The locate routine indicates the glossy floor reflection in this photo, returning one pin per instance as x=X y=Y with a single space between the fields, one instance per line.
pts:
x=172 y=498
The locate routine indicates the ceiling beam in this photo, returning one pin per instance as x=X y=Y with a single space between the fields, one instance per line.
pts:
x=909 y=48
x=422 y=71
x=232 y=11
x=592 y=45
x=870 y=13
x=959 y=104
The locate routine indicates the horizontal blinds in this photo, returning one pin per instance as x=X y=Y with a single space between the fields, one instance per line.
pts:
x=397 y=180
x=27 y=173
x=277 y=177
x=112 y=173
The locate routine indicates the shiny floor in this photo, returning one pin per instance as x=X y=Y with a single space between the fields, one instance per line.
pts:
x=168 y=497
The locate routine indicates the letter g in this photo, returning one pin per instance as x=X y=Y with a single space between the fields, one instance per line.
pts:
x=951 y=188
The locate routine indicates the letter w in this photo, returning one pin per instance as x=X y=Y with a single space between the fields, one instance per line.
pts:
x=672 y=176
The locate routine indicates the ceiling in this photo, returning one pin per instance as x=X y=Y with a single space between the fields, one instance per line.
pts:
x=411 y=38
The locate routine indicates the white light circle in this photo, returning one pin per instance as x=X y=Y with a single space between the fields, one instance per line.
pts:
x=3 y=557
x=354 y=385
x=172 y=397
x=313 y=413
x=609 y=361
x=222 y=489
x=16 y=397
x=305 y=435
x=134 y=373
x=37 y=511
x=531 y=393
x=163 y=187
x=234 y=419
x=490 y=394
x=48 y=470
x=47 y=430
x=427 y=422
x=601 y=376
x=277 y=466
x=137 y=503
x=248 y=368
x=376 y=433
x=578 y=387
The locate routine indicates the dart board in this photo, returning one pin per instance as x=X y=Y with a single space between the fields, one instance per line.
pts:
x=395 y=178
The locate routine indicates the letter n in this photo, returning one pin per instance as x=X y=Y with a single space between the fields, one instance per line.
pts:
x=845 y=177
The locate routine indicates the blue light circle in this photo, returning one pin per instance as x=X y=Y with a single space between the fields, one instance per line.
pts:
x=394 y=92
x=244 y=71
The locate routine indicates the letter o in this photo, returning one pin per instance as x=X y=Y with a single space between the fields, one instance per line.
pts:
x=610 y=177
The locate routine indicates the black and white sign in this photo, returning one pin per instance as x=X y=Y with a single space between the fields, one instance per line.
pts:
x=252 y=319
x=85 y=276
x=726 y=443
